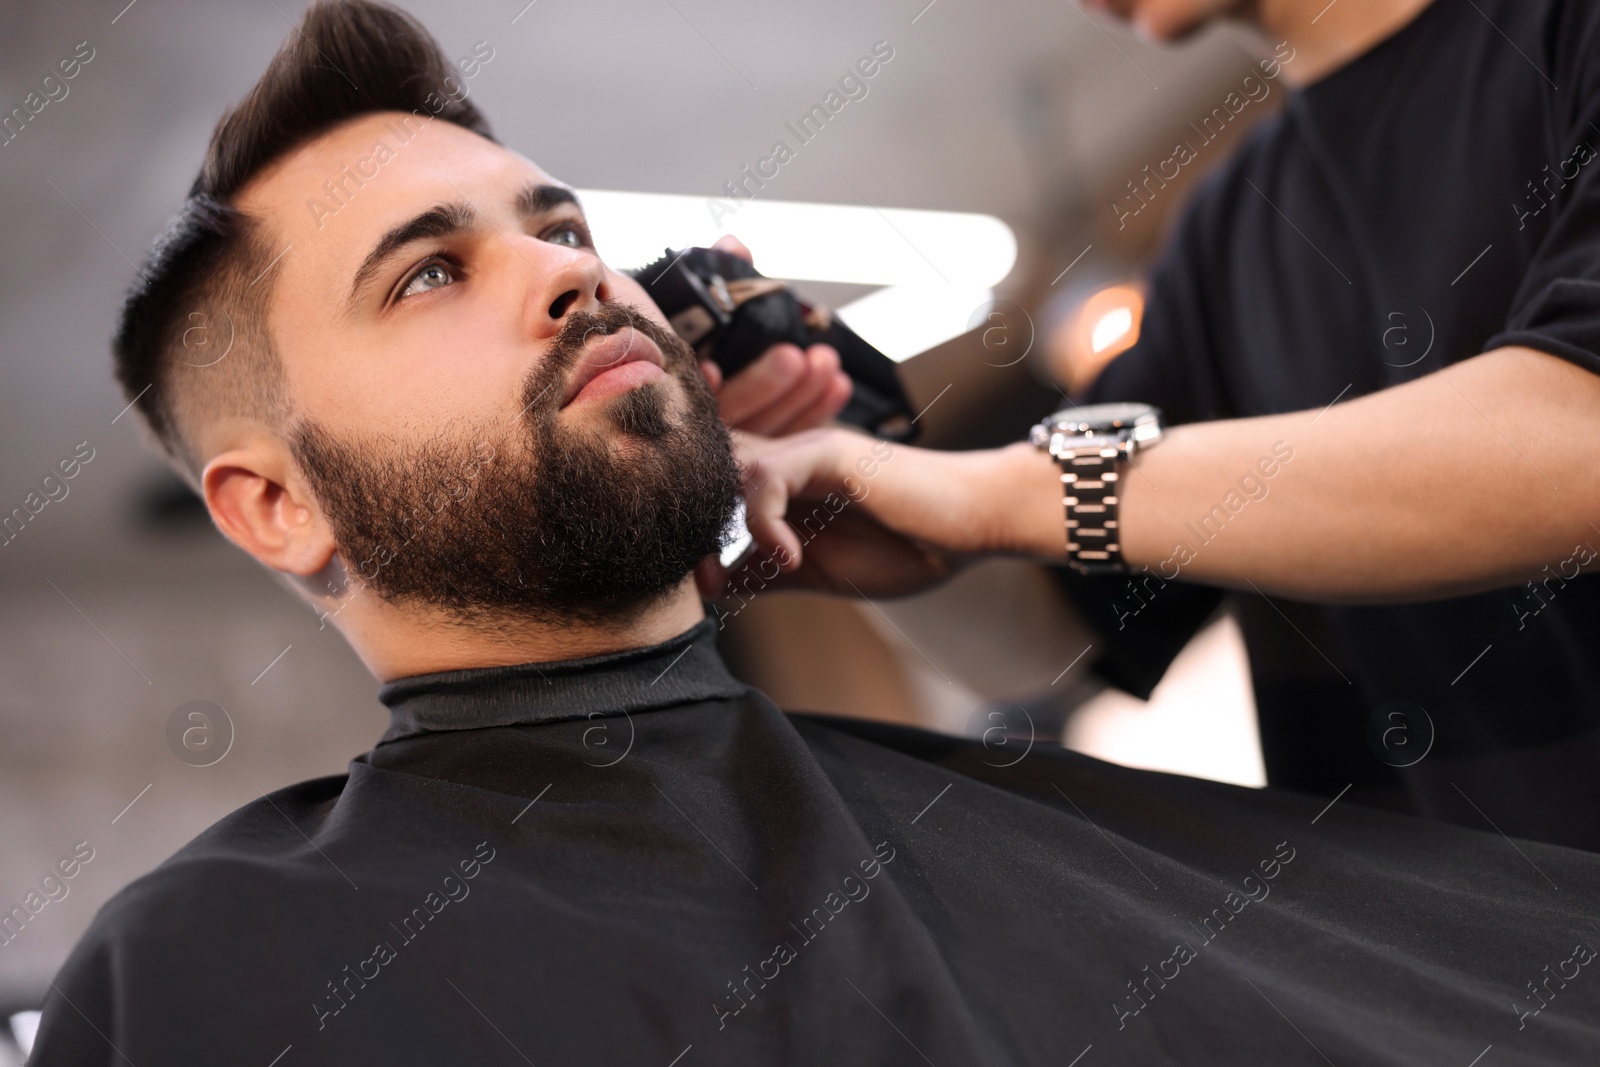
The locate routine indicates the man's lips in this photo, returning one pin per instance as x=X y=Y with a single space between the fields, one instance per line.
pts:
x=614 y=364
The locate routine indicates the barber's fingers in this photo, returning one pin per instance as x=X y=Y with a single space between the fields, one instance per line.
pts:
x=766 y=499
x=779 y=369
x=773 y=474
x=817 y=397
x=827 y=406
x=729 y=243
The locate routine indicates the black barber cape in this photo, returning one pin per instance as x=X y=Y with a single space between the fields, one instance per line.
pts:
x=1436 y=198
x=636 y=859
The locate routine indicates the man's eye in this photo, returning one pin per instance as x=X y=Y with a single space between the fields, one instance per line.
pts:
x=569 y=236
x=431 y=275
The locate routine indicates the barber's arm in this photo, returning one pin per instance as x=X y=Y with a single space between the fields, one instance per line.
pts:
x=1473 y=477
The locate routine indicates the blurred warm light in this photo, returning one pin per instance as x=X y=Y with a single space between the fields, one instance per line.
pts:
x=1094 y=333
x=1110 y=328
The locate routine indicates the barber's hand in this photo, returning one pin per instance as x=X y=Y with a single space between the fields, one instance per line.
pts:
x=786 y=390
x=841 y=512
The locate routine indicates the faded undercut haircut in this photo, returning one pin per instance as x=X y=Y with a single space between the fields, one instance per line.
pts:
x=192 y=343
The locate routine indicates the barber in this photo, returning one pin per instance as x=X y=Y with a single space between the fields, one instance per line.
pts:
x=1405 y=522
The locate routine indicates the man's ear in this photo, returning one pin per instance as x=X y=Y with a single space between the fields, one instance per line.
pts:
x=257 y=499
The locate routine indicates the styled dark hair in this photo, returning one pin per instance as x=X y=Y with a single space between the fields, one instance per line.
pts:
x=192 y=342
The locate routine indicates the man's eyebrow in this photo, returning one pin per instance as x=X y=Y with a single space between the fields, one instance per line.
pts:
x=441 y=220
x=537 y=198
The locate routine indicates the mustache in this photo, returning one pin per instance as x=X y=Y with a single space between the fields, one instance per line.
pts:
x=541 y=392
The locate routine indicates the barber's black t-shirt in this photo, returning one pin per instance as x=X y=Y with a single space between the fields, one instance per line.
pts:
x=1437 y=198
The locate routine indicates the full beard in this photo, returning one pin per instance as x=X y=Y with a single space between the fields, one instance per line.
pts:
x=532 y=518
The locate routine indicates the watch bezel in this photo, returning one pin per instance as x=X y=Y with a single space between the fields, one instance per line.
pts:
x=1107 y=419
x=1139 y=423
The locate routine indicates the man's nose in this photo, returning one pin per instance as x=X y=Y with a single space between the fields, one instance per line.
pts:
x=564 y=281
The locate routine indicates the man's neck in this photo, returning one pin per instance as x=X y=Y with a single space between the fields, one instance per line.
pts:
x=1326 y=36
x=398 y=642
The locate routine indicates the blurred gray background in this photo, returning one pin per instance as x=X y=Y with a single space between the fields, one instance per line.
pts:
x=119 y=604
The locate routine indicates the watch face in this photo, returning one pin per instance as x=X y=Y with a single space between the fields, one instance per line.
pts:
x=1104 y=418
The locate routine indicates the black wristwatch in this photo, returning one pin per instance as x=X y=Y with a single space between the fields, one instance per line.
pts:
x=1093 y=444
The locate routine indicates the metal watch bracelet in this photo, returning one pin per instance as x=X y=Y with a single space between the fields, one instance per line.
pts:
x=1090 y=484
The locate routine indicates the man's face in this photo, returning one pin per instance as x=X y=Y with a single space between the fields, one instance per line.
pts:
x=490 y=418
x=1170 y=20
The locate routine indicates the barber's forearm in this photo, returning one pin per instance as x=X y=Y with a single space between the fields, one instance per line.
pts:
x=1469 y=478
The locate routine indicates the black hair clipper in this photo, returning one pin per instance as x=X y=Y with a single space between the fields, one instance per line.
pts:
x=730 y=313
